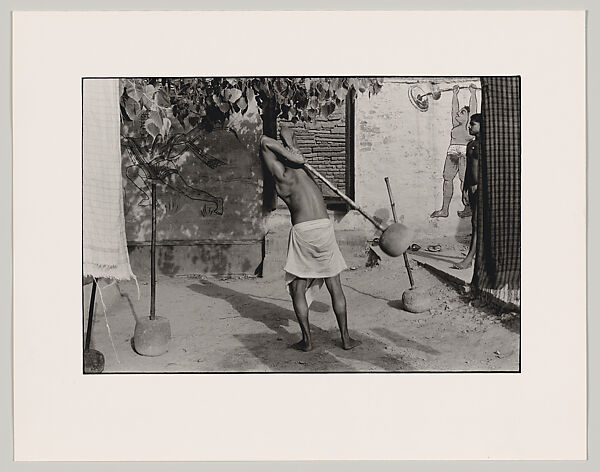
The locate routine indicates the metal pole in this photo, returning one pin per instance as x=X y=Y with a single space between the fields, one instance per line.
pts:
x=153 y=257
x=446 y=90
x=88 y=335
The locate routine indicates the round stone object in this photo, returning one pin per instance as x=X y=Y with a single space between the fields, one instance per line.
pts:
x=416 y=300
x=93 y=361
x=396 y=238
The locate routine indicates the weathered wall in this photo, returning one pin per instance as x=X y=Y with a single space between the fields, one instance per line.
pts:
x=409 y=146
x=195 y=234
x=393 y=139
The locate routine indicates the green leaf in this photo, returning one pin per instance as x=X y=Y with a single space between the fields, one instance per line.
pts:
x=280 y=86
x=149 y=103
x=132 y=108
x=166 y=127
x=242 y=103
x=149 y=90
x=224 y=107
x=340 y=93
x=152 y=129
x=155 y=118
x=232 y=95
x=162 y=98
x=134 y=90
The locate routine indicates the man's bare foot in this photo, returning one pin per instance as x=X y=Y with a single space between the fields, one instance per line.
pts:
x=350 y=344
x=303 y=346
x=464 y=213
x=439 y=214
x=464 y=264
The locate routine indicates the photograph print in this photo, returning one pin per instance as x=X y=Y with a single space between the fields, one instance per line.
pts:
x=301 y=224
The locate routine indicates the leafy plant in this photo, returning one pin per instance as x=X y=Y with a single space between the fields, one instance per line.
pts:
x=209 y=102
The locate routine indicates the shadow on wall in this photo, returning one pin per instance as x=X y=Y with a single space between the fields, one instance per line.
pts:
x=217 y=199
x=226 y=170
x=205 y=258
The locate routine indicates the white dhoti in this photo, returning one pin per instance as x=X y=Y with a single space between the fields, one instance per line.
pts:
x=313 y=254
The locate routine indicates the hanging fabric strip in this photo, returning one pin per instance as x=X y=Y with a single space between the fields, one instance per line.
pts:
x=104 y=241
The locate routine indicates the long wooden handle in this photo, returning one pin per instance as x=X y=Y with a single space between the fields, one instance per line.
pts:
x=392 y=202
x=340 y=194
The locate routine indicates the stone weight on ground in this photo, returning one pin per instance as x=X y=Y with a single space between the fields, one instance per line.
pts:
x=151 y=337
x=416 y=300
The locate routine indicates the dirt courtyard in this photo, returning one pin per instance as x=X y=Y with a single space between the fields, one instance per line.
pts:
x=242 y=324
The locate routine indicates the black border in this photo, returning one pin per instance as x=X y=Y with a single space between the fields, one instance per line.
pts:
x=448 y=372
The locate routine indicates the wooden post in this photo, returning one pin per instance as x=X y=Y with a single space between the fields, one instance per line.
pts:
x=393 y=204
x=153 y=257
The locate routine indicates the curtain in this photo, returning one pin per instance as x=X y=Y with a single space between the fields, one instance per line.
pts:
x=498 y=258
x=104 y=241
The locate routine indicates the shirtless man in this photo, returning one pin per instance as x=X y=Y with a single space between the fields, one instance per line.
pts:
x=313 y=253
x=456 y=155
x=470 y=186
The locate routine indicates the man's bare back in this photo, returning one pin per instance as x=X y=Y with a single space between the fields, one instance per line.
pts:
x=302 y=196
x=293 y=183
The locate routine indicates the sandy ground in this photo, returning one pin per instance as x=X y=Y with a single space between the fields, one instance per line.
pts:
x=248 y=325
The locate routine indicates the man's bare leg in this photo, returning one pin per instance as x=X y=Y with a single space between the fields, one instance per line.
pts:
x=466 y=211
x=338 y=301
x=468 y=260
x=448 y=190
x=298 y=291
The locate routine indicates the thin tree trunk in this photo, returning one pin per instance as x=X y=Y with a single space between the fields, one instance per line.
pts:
x=269 y=120
x=153 y=257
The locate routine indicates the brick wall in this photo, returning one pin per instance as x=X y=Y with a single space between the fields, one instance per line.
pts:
x=323 y=143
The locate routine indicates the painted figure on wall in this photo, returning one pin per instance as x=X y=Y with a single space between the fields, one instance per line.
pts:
x=455 y=162
x=157 y=161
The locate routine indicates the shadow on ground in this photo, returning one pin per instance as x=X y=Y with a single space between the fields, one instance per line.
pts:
x=273 y=348
x=509 y=319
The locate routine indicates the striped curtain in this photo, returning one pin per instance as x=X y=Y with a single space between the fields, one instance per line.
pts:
x=498 y=259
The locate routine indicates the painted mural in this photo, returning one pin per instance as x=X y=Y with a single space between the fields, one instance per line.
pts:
x=209 y=196
x=408 y=132
x=456 y=156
